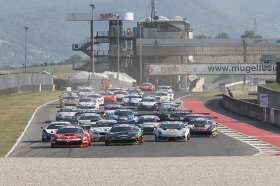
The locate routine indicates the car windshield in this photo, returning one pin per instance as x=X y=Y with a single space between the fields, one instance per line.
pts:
x=123 y=113
x=134 y=91
x=85 y=90
x=111 y=107
x=85 y=100
x=95 y=96
x=69 y=97
x=55 y=126
x=120 y=92
x=150 y=99
x=132 y=96
x=178 y=114
x=124 y=129
x=105 y=125
x=82 y=117
x=146 y=84
x=69 y=130
x=160 y=94
x=203 y=122
x=148 y=119
x=171 y=126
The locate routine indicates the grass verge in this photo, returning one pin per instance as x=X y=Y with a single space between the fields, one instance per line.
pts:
x=205 y=94
x=16 y=110
x=273 y=86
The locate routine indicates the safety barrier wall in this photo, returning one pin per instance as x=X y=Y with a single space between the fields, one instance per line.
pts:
x=20 y=79
x=273 y=96
x=252 y=110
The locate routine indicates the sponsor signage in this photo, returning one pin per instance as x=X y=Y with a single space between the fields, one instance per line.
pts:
x=266 y=64
x=210 y=68
x=263 y=100
x=222 y=87
x=103 y=16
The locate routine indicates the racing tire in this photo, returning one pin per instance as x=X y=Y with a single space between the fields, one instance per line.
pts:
x=43 y=140
x=52 y=146
x=107 y=143
x=156 y=139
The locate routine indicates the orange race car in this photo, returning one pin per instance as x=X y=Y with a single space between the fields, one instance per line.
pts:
x=109 y=97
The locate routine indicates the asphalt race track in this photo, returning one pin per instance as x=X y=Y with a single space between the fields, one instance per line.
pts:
x=31 y=145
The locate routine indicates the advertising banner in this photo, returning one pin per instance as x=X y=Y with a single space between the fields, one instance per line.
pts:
x=210 y=69
x=222 y=87
x=263 y=100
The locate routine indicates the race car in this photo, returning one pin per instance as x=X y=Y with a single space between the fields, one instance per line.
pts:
x=88 y=102
x=162 y=96
x=51 y=129
x=147 y=103
x=120 y=94
x=124 y=115
x=121 y=134
x=66 y=114
x=172 y=131
x=109 y=97
x=98 y=97
x=131 y=99
x=164 y=88
x=84 y=91
x=98 y=130
x=136 y=91
x=178 y=115
x=147 y=87
x=202 y=126
x=70 y=136
x=88 y=117
x=164 y=111
x=149 y=123
x=113 y=89
x=68 y=100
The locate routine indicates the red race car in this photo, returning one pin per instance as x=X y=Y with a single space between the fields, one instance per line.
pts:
x=147 y=87
x=109 y=97
x=71 y=136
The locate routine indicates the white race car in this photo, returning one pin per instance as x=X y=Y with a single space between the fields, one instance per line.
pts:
x=148 y=123
x=132 y=99
x=82 y=92
x=172 y=131
x=88 y=102
x=120 y=94
x=98 y=130
x=51 y=129
x=162 y=96
x=98 y=97
x=147 y=103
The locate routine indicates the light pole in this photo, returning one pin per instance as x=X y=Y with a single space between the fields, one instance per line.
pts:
x=26 y=27
x=92 y=39
x=141 y=74
x=118 y=43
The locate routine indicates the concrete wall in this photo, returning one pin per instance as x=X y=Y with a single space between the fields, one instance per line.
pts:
x=273 y=96
x=30 y=88
x=252 y=110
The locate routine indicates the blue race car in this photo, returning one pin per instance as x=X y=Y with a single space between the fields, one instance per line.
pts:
x=124 y=115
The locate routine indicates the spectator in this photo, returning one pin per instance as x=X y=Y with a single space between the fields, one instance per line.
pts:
x=230 y=93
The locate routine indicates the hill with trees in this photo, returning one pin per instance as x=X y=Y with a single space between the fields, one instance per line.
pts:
x=50 y=36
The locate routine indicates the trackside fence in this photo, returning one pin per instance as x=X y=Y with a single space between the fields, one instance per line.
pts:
x=22 y=82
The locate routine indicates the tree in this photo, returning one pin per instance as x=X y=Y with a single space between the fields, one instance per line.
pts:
x=250 y=34
x=223 y=35
x=203 y=37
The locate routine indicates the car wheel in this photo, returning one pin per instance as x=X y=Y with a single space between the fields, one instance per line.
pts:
x=107 y=143
x=156 y=139
x=52 y=146
x=43 y=139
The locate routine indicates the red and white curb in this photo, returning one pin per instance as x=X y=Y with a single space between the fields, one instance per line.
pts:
x=265 y=149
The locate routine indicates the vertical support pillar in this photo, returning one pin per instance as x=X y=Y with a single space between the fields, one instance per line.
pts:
x=156 y=58
x=244 y=57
